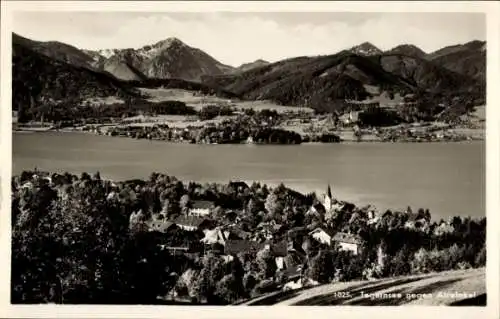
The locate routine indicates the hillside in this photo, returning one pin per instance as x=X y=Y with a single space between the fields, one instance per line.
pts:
x=424 y=74
x=468 y=59
x=180 y=84
x=475 y=45
x=408 y=50
x=431 y=290
x=56 y=50
x=317 y=82
x=362 y=73
x=170 y=58
x=122 y=70
x=322 y=82
x=56 y=81
x=251 y=65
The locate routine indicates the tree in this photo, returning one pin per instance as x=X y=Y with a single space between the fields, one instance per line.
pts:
x=185 y=200
x=137 y=222
x=72 y=248
x=480 y=260
x=170 y=208
x=252 y=207
x=399 y=264
x=229 y=289
x=213 y=271
x=249 y=282
x=266 y=262
x=272 y=205
x=421 y=261
x=322 y=267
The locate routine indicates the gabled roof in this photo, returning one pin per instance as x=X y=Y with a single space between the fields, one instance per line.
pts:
x=213 y=236
x=235 y=231
x=160 y=225
x=347 y=238
x=317 y=208
x=193 y=221
x=321 y=229
x=234 y=247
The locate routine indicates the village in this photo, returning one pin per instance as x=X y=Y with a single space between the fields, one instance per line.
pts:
x=279 y=236
x=271 y=127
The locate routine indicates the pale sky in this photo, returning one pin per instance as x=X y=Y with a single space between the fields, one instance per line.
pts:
x=234 y=38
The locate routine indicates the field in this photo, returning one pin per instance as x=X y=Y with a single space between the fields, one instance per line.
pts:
x=104 y=100
x=460 y=287
x=198 y=101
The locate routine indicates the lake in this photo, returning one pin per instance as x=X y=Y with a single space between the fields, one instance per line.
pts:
x=447 y=178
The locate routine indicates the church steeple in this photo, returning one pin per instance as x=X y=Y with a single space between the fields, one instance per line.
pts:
x=328 y=199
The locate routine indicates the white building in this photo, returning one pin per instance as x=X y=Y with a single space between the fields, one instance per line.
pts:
x=348 y=242
x=322 y=236
x=201 y=208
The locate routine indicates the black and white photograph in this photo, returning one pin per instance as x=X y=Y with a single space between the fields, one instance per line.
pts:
x=247 y=158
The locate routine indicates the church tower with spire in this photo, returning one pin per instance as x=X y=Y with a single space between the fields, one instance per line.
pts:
x=328 y=199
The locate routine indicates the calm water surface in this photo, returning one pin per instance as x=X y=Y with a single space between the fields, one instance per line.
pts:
x=449 y=179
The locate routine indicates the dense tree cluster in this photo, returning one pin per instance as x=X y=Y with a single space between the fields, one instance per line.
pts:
x=378 y=117
x=210 y=112
x=255 y=128
x=81 y=239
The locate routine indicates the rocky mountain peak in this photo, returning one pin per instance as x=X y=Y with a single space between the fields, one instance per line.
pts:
x=366 y=49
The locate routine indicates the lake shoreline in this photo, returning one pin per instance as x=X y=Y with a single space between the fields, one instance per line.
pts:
x=342 y=141
x=387 y=175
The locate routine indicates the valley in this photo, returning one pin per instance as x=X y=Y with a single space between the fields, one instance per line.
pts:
x=360 y=94
x=248 y=158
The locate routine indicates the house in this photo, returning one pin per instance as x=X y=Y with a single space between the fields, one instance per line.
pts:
x=233 y=232
x=201 y=208
x=222 y=234
x=234 y=247
x=373 y=218
x=193 y=223
x=290 y=265
x=161 y=226
x=322 y=236
x=348 y=242
x=213 y=236
x=349 y=118
x=317 y=209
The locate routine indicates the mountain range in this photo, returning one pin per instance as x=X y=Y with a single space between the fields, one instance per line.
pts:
x=65 y=71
